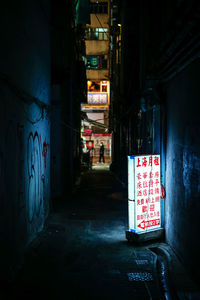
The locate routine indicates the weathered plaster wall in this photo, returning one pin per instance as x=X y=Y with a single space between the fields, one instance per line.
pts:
x=24 y=126
x=182 y=205
x=98 y=75
x=99 y=20
x=94 y=47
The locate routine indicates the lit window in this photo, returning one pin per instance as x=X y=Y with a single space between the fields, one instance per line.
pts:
x=93 y=86
x=97 y=34
x=98 y=7
x=96 y=86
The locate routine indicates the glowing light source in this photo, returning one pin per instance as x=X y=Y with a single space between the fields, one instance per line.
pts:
x=144 y=193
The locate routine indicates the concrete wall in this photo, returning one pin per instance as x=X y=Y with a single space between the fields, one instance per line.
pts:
x=94 y=47
x=182 y=207
x=24 y=125
x=97 y=75
x=99 y=20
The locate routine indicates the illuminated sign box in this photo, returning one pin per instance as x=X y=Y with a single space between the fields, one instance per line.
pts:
x=99 y=98
x=144 y=191
x=87 y=132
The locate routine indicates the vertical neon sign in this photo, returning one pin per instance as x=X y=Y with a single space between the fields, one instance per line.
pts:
x=144 y=193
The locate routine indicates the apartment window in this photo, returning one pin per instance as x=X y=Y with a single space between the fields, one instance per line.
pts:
x=104 y=85
x=96 y=86
x=98 y=7
x=97 y=34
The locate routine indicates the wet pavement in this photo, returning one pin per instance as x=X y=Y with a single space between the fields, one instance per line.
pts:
x=83 y=253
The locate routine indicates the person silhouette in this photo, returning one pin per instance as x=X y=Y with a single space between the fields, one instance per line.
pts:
x=101 y=153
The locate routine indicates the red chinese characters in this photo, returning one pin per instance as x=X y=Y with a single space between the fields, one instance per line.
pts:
x=139 y=163
x=145 y=184
x=144 y=162
x=156 y=161
x=145 y=175
x=148 y=161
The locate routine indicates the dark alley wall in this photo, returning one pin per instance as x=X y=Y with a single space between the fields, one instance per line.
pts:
x=183 y=165
x=24 y=123
x=66 y=97
x=42 y=83
x=159 y=112
x=25 y=46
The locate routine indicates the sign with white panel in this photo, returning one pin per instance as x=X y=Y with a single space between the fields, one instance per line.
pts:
x=144 y=193
x=98 y=98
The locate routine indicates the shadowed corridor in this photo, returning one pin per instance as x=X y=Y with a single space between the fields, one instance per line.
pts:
x=83 y=254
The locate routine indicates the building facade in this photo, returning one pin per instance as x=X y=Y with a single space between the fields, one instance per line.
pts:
x=96 y=110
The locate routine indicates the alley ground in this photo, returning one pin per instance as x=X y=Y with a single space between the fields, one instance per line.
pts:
x=83 y=252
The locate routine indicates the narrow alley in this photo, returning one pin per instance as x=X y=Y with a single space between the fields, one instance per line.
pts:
x=99 y=149
x=83 y=254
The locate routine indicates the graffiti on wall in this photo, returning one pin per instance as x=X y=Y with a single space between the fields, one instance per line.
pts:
x=44 y=153
x=21 y=183
x=35 y=177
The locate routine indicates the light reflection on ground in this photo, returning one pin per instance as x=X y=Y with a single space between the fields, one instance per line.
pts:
x=140 y=276
x=113 y=235
x=101 y=167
